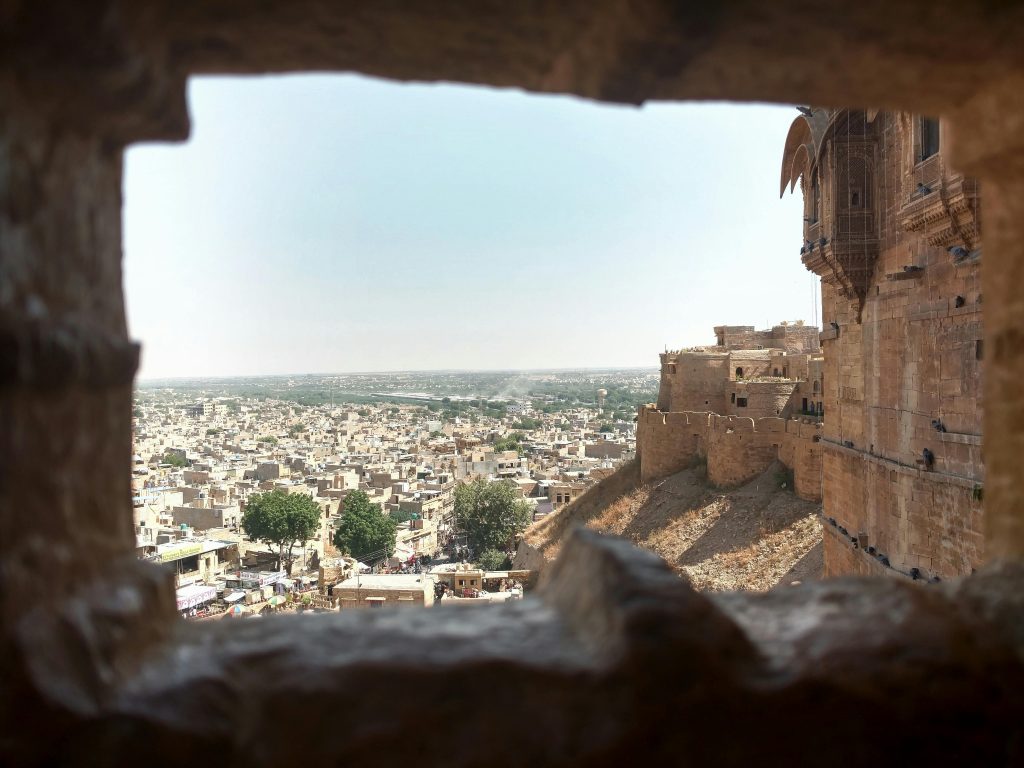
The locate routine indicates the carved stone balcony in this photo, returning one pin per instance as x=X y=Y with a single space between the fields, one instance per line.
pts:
x=847 y=262
x=946 y=216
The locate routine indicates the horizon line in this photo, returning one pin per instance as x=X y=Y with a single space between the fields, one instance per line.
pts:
x=143 y=380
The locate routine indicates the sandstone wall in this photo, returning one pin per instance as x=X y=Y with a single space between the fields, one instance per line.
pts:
x=736 y=448
x=667 y=442
x=769 y=398
x=906 y=359
x=800 y=451
x=918 y=519
x=843 y=559
x=698 y=382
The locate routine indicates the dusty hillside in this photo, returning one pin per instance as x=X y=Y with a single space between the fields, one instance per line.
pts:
x=752 y=537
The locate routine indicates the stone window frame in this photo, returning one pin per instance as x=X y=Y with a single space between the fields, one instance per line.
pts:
x=920 y=149
x=89 y=668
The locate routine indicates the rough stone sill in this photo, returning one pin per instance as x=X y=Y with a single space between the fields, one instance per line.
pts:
x=933 y=475
x=615 y=657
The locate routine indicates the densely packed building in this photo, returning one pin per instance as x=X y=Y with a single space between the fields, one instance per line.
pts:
x=198 y=461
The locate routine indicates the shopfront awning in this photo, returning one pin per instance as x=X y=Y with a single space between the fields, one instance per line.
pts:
x=195 y=595
x=234 y=597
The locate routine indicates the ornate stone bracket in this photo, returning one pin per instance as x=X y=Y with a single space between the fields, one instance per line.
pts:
x=947 y=216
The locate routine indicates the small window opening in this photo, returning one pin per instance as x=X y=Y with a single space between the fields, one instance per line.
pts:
x=739 y=373
x=816 y=198
x=929 y=137
x=732 y=398
x=978 y=351
x=741 y=402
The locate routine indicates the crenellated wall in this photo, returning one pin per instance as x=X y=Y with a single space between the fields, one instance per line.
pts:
x=739 y=448
x=736 y=448
x=666 y=443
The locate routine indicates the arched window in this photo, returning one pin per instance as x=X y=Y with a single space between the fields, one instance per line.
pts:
x=815 y=385
x=739 y=373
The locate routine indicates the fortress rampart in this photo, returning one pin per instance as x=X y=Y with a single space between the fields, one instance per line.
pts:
x=736 y=448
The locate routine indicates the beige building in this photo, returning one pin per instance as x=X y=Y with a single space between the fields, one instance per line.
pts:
x=377 y=590
x=748 y=373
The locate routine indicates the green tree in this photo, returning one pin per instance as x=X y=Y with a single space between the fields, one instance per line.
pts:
x=490 y=514
x=365 y=532
x=606 y=428
x=281 y=519
x=400 y=515
x=296 y=429
x=510 y=443
x=527 y=423
x=268 y=439
x=213 y=431
x=175 y=458
x=493 y=560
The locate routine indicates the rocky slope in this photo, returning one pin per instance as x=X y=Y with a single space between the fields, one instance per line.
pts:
x=753 y=537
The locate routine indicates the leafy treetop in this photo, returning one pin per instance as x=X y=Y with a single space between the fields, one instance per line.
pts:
x=281 y=519
x=365 y=533
x=490 y=514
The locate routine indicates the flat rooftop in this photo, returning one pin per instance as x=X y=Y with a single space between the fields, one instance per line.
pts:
x=386 y=581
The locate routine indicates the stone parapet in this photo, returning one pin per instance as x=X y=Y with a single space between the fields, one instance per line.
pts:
x=736 y=448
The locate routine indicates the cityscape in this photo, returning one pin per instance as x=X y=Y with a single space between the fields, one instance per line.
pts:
x=204 y=449
x=504 y=384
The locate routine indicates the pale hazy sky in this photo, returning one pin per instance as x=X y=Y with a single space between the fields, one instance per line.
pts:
x=337 y=223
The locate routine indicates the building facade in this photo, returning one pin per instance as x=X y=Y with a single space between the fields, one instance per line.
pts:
x=747 y=373
x=894 y=234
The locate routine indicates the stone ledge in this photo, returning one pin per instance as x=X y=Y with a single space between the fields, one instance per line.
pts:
x=620 y=657
x=905 y=469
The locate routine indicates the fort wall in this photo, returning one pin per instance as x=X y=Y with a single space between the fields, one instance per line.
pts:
x=736 y=448
x=739 y=449
x=759 y=398
x=666 y=443
x=917 y=518
x=902 y=344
